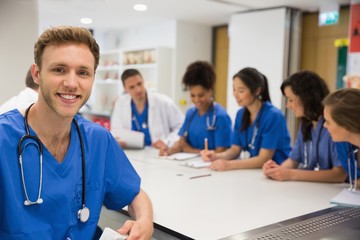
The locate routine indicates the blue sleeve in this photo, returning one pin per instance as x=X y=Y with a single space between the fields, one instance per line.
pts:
x=122 y=183
x=333 y=155
x=187 y=120
x=335 y=159
x=275 y=133
x=297 y=150
x=344 y=153
x=223 y=130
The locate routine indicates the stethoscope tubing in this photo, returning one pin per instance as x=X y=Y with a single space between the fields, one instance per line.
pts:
x=352 y=181
x=251 y=145
x=84 y=212
x=307 y=159
x=209 y=126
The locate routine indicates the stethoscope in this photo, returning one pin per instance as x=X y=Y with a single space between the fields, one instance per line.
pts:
x=84 y=212
x=307 y=159
x=210 y=126
x=353 y=182
x=137 y=123
x=251 y=145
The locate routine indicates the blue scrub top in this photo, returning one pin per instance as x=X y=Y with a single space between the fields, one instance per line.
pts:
x=346 y=152
x=272 y=133
x=139 y=122
x=197 y=128
x=110 y=180
x=305 y=152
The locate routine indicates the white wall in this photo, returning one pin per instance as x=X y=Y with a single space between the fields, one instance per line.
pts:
x=162 y=34
x=257 y=39
x=18 y=33
x=189 y=41
x=193 y=42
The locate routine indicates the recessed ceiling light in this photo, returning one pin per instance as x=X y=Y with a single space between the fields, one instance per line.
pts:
x=86 y=20
x=140 y=7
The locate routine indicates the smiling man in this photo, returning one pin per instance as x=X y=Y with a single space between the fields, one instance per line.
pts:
x=69 y=167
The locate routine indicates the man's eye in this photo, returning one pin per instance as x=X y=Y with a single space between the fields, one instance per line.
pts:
x=59 y=70
x=83 y=73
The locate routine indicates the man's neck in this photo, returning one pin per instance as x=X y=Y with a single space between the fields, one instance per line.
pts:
x=53 y=131
x=140 y=104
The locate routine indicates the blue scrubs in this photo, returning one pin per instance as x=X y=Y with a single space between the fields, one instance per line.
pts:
x=321 y=144
x=345 y=151
x=139 y=122
x=110 y=180
x=272 y=133
x=198 y=128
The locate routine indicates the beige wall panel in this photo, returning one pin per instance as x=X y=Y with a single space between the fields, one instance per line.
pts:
x=221 y=64
x=318 y=52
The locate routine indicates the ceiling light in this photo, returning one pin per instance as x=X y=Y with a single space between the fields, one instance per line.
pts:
x=140 y=7
x=86 y=20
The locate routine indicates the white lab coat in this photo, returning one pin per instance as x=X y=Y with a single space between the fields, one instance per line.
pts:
x=20 y=101
x=164 y=119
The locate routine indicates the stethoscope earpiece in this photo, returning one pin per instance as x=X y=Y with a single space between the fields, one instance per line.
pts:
x=38 y=201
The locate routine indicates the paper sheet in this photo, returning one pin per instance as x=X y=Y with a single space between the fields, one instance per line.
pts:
x=196 y=164
x=109 y=234
x=133 y=139
x=180 y=156
x=347 y=198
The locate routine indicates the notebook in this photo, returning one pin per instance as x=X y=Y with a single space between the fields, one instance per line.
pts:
x=347 y=198
x=196 y=164
x=181 y=156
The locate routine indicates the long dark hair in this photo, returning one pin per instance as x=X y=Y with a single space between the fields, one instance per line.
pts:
x=254 y=80
x=311 y=89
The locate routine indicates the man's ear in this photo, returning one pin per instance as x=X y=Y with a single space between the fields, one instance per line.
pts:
x=35 y=72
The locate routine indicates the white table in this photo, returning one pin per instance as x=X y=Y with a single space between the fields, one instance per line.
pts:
x=225 y=203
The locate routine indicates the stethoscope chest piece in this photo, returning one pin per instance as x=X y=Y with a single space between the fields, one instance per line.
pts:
x=84 y=214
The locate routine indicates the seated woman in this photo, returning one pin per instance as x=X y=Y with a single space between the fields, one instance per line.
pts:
x=207 y=121
x=260 y=131
x=314 y=156
x=341 y=112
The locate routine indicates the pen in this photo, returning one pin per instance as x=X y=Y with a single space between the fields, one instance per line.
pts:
x=206 y=144
x=199 y=176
